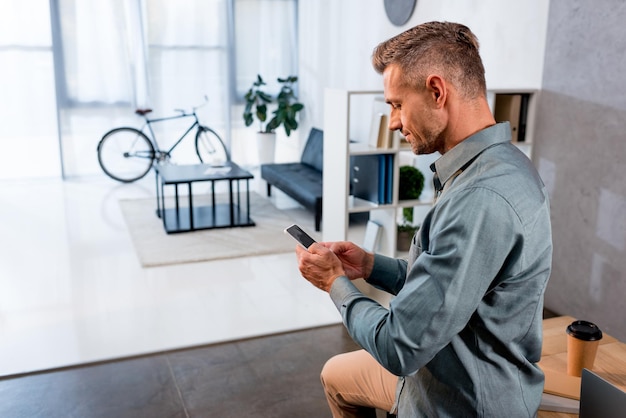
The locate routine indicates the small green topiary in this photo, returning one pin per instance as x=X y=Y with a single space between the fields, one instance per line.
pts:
x=411 y=183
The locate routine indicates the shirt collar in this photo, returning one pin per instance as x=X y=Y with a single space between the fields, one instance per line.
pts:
x=464 y=152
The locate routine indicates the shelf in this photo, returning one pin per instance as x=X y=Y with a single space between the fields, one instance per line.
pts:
x=360 y=148
x=344 y=140
x=424 y=201
x=356 y=205
x=340 y=148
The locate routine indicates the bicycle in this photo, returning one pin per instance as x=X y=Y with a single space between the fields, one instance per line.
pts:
x=127 y=154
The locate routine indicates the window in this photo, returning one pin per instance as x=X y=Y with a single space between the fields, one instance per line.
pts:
x=266 y=42
x=98 y=61
x=28 y=132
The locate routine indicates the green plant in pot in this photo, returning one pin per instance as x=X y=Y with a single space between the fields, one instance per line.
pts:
x=285 y=114
x=256 y=105
x=406 y=230
x=411 y=184
x=288 y=107
x=407 y=221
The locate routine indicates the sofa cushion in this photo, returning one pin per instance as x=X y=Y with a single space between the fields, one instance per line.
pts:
x=297 y=180
x=313 y=153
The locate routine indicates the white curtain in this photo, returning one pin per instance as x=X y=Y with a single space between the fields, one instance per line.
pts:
x=28 y=132
x=94 y=49
x=186 y=23
x=136 y=45
x=188 y=55
x=106 y=54
x=266 y=41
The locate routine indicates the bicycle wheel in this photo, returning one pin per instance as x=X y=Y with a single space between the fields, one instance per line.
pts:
x=125 y=154
x=210 y=148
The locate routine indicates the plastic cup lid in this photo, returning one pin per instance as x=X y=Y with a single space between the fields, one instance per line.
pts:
x=584 y=330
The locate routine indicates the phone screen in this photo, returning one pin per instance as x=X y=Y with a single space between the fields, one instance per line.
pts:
x=302 y=237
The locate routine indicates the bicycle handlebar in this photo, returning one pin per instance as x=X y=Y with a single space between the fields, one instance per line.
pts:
x=206 y=100
x=183 y=112
x=193 y=108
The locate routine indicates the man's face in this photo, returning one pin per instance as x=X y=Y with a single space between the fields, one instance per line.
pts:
x=414 y=113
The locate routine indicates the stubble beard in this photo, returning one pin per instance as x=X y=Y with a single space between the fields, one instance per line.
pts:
x=427 y=144
x=431 y=139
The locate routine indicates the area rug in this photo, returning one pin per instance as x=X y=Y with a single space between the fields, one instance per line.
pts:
x=155 y=247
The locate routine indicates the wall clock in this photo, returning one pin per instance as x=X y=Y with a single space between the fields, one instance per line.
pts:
x=399 y=11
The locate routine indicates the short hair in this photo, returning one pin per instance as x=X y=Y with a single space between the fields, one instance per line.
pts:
x=448 y=48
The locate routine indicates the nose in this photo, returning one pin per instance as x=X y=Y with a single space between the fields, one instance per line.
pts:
x=395 y=122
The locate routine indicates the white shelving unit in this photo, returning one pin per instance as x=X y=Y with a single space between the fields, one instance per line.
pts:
x=518 y=117
x=338 y=148
x=339 y=107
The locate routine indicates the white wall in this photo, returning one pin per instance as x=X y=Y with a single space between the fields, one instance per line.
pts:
x=337 y=39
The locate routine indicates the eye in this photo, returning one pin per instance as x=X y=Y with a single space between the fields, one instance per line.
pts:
x=394 y=106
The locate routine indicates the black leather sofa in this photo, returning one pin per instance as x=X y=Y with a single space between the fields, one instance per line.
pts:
x=302 y=181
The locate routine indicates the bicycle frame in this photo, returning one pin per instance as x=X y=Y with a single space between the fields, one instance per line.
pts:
x=149 y=123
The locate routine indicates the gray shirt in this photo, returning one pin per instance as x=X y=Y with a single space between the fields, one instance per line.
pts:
x=463 y=331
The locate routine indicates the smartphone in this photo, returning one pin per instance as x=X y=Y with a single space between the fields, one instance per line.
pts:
x=299 y=235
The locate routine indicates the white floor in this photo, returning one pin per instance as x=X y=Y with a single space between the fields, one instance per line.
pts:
x=72 y=290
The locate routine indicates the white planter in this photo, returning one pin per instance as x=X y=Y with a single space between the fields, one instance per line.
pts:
x=266 y=147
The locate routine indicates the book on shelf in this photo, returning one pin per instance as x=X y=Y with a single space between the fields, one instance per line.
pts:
x=514 y=109
x=371 y=178
x=380 y=136
x=382 y=178
x=364 y=177
x=389 y=179
x=371 y=240
x=375 y=129
x=387 y=136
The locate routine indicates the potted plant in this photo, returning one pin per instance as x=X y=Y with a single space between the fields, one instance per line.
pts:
x=406 y=230
x=288 y=107
x=411 y=184
x=256 y=108
x=285 y=114
x=256 y=104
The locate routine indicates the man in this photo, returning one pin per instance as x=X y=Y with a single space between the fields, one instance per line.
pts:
x=463 y=333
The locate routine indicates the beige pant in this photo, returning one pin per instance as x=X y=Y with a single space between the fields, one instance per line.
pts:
x=355 y=383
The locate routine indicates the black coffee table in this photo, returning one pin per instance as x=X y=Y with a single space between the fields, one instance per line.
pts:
x=194 y=217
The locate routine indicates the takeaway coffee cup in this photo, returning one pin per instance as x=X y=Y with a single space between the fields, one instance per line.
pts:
x=583 y=338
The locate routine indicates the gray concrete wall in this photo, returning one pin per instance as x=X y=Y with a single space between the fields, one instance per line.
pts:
x=580 y=151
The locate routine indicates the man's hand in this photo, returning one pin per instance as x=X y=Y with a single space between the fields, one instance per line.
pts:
x=319 y=265
x=326 y=261
x=356 y=262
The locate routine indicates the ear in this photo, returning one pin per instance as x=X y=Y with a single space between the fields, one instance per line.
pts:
x=437 y=89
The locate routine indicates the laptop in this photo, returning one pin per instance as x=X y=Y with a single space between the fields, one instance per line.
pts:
x=599 y=398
